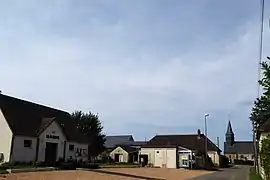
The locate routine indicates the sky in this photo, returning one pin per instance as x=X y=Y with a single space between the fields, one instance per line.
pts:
x=146 y=67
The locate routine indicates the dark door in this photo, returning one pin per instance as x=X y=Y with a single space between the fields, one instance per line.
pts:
x=50 y=153
x=116 y=157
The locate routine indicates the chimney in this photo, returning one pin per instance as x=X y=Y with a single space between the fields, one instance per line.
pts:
x=199 y=134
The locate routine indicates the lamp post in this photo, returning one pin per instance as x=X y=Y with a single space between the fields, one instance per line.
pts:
x=205 y=130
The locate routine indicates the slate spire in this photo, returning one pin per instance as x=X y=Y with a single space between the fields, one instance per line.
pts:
x=229 y=134
x=229 y=128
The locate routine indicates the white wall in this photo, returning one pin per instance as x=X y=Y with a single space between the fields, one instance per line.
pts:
x=53 y=129
x=214 y=156
x=69 y=153
x=262 y=136
x=5 y=137
x=21 y=153
x=119 y=150
x=166 y=157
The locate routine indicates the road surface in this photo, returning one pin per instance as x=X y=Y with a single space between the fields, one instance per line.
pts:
x=233 y=173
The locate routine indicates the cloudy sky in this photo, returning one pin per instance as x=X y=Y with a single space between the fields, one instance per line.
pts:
x=147 y=67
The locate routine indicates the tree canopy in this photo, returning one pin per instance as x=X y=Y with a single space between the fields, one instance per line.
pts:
x=90 y=126
x=261 y=109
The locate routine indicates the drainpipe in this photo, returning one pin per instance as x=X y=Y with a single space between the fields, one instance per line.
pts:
x=64 y=155
x=37 y=149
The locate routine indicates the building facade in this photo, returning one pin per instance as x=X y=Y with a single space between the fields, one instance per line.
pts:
x=31 y=132
x=237 y=150
x=180 y=151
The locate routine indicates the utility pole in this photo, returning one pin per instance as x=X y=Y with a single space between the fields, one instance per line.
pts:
x=206 y=139
x=256 y=162
x=218 y=142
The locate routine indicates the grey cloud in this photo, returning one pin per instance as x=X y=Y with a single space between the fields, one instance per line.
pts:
x=131 y=72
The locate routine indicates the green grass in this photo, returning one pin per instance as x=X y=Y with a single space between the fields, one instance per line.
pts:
x=118 y=165
x=253 y=175
x=3 y=171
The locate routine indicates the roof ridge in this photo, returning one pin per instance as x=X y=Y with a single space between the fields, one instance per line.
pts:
x=31 y=102
x=194 y=134
x=117 y=135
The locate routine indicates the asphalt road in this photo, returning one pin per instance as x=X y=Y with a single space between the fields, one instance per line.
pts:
x=233 y=173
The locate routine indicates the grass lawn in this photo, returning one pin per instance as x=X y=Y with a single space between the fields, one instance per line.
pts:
x=3 y=171
x=118 y=165
x=253 y=175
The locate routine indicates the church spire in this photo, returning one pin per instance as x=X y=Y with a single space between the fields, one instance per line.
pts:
x=229 y=134
x=229 y=128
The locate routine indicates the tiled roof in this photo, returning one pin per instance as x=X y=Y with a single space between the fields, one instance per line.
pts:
x=138 y=143
x=112 y=141
x=239 y=147
x=129 y=149
x=29 y=119
x=189 y=141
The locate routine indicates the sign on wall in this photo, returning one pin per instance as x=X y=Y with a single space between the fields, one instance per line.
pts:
x=52 y=136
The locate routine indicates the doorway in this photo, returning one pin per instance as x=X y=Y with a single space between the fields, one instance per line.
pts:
x=119 y=157
x=50 y=153
x=143 y=160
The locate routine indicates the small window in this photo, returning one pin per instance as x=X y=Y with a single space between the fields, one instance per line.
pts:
x=27 y=143
x=71 y=147
x=79 y=151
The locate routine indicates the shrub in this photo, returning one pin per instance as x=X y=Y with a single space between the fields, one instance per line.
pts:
x=223 y=161
x=67 y=166
x=90 y=166
x=40 y=164
x=243 y=162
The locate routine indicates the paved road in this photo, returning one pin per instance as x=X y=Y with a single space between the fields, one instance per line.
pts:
x=233 y=173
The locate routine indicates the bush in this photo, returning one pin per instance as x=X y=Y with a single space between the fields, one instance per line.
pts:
x=67 y=166
x=223 y=161
x=243 y=162
x=90 y=166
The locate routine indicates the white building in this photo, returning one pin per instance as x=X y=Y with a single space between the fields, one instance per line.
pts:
x=262 y=133
x=31 y=132
x=179 y=151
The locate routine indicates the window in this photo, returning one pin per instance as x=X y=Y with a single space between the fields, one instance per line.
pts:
x=27 y=143
x=79 y=152
x=71 y=147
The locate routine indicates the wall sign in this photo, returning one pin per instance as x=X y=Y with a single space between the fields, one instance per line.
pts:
x=52 y=136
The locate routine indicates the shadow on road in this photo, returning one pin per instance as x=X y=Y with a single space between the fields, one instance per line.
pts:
x=234 y=172
x=124 y=174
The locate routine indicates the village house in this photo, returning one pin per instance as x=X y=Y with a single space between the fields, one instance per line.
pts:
x=262 y=133
x=123 y=148
x=179 y=151
x=30 y=132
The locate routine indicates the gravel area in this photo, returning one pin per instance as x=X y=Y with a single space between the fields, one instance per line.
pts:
x=64 y=175
x=119 y=174
x=162 y=173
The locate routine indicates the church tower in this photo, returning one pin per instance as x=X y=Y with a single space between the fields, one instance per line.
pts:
x=229 y=135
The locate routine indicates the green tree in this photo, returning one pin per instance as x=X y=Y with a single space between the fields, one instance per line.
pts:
x=261 y=109
x=90 y=126
x=265 y=156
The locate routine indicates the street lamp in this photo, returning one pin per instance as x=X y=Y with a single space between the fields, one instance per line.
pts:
x=205 y=130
